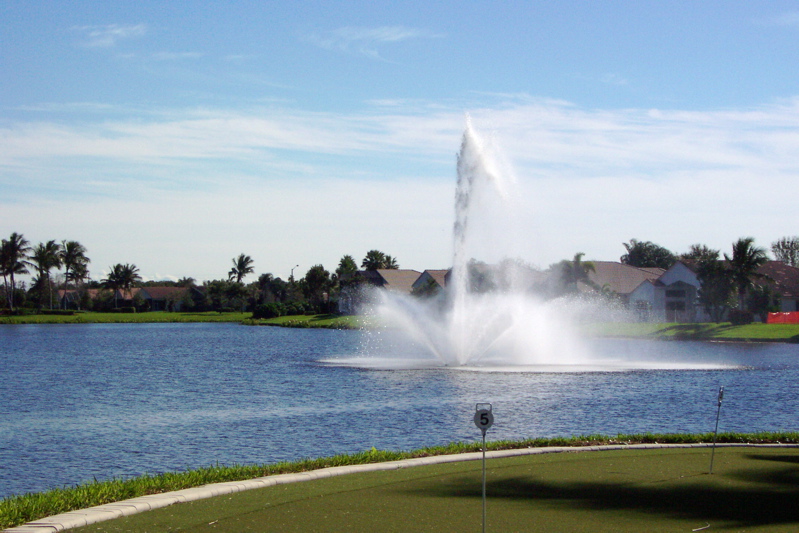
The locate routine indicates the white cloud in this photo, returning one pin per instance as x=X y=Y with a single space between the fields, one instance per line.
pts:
x=108 y=35
x=787 y=19
x=289 y=186
x=176 y=56
x=366 y=41
x=611 y=78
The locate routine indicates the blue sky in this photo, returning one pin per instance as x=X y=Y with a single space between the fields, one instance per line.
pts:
x=177 y=135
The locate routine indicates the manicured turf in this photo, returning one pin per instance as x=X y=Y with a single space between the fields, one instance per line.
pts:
x=751 y=489
x=720 y=332
x=723 y=331
x=314 y=321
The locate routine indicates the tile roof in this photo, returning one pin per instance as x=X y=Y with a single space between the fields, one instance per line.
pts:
x=399 y=280
x=785 y=277
x=440 y=276
x=621 y=278
x=161 y=293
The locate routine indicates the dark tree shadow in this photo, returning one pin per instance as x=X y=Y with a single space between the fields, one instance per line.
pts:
x=770 y=497
x=694 y=331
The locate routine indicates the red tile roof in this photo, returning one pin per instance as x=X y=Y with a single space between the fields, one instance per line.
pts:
x=783 y=278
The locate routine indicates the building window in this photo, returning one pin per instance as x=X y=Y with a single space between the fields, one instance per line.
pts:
x=675 y=306
x=675 y=293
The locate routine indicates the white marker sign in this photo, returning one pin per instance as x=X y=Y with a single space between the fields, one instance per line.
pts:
x=483 y=418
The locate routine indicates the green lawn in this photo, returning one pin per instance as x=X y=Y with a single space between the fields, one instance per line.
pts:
x=705 y=331
x=723 y=331
x=314 y=321
x=663 y=490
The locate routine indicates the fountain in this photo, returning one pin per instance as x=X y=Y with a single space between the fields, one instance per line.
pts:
x=489 y=316
x=469 y=325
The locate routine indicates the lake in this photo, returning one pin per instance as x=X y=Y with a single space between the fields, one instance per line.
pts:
x=103 y=400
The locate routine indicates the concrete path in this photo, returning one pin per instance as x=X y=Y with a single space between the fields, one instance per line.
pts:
x=110 y=511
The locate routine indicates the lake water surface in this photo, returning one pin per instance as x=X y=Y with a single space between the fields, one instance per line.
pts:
x=79 y=402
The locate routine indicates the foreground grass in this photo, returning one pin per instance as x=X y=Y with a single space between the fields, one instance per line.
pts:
x=126 y=318
x=660 y=490
x=19 y=509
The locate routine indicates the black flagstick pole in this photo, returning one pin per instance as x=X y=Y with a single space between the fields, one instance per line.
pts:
x=716 y=432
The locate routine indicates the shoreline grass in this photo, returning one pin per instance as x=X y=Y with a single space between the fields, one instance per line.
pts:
x=723 y=332
x=327 y=321
x=19 y=509
x=149 y=317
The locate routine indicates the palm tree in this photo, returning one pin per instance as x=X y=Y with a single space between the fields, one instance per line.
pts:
x=242 y=265
x=73 y=257
x=45 y=257
x=375 y=259
x=186 y=282
x=699 y=253
x=390 y=263
x=576 y=271
x=121 y=279
x=13 y=261
x=745 y=261
x=78 y=274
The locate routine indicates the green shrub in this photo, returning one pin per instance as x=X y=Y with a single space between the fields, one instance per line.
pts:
x=295 y=308
x=741 y=318
x=270 y=310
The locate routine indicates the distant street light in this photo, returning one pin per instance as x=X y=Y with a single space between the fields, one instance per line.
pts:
x=291 y=278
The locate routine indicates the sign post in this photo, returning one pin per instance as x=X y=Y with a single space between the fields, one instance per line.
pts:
x=483 y=419
x=716 y=431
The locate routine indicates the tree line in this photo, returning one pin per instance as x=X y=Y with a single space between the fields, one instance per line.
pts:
x=731 y=284
x=728 y=281
x=313 y=292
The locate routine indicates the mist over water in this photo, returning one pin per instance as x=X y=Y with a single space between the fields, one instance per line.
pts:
x=488 y=317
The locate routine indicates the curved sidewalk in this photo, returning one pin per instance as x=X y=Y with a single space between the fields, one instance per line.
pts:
x=110 y=511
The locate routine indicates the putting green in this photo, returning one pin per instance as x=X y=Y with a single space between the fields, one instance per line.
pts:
x=751 y=489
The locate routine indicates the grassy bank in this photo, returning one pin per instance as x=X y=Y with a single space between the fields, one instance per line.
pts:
x=19 y=509
x=328 y=321
x=89 y=317
x=627 y=490
x=705 y=332
x=713 y=332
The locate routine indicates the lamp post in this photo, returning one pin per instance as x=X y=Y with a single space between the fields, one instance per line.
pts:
x=291 y=277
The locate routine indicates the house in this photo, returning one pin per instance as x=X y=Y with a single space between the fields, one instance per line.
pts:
x=673 y=295
x=677 y=296
x=399 y=280
x=164 y=298
x=71 y=298
x=653 y=294
x=784 y=282
x=622 y=279
x=430 y=282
